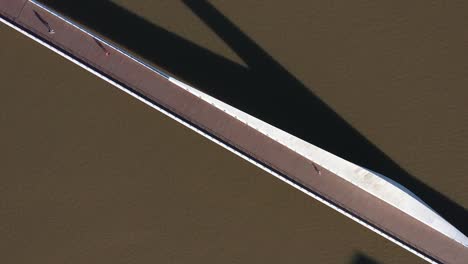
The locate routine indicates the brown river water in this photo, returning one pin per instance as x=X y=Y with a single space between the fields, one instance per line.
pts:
x=91 y=175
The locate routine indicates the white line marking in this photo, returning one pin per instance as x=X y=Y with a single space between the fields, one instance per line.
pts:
x=149 y=103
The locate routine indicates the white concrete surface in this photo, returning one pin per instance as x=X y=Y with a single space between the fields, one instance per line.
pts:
x=371 y=182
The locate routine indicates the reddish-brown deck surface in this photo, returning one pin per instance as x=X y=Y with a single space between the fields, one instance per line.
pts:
x=159 y=90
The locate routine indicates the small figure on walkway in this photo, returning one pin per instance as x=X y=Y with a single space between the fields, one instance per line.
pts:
x=316 y=169
x=45 y=23
x=102 y=47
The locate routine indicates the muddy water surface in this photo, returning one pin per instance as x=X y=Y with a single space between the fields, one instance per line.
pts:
x=92 y=175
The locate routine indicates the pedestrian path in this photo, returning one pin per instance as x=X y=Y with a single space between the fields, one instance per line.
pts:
x=244 y=135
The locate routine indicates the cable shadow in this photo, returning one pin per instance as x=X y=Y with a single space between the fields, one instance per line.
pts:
x=265 y=89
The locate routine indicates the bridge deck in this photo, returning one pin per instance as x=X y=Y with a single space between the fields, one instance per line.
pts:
x=154 y=87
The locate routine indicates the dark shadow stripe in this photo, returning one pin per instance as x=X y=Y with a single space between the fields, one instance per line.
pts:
x=243 y=152
x=257 y=90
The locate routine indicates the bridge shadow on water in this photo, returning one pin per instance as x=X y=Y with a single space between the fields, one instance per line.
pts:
x=264 y=89
x=361 y=258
